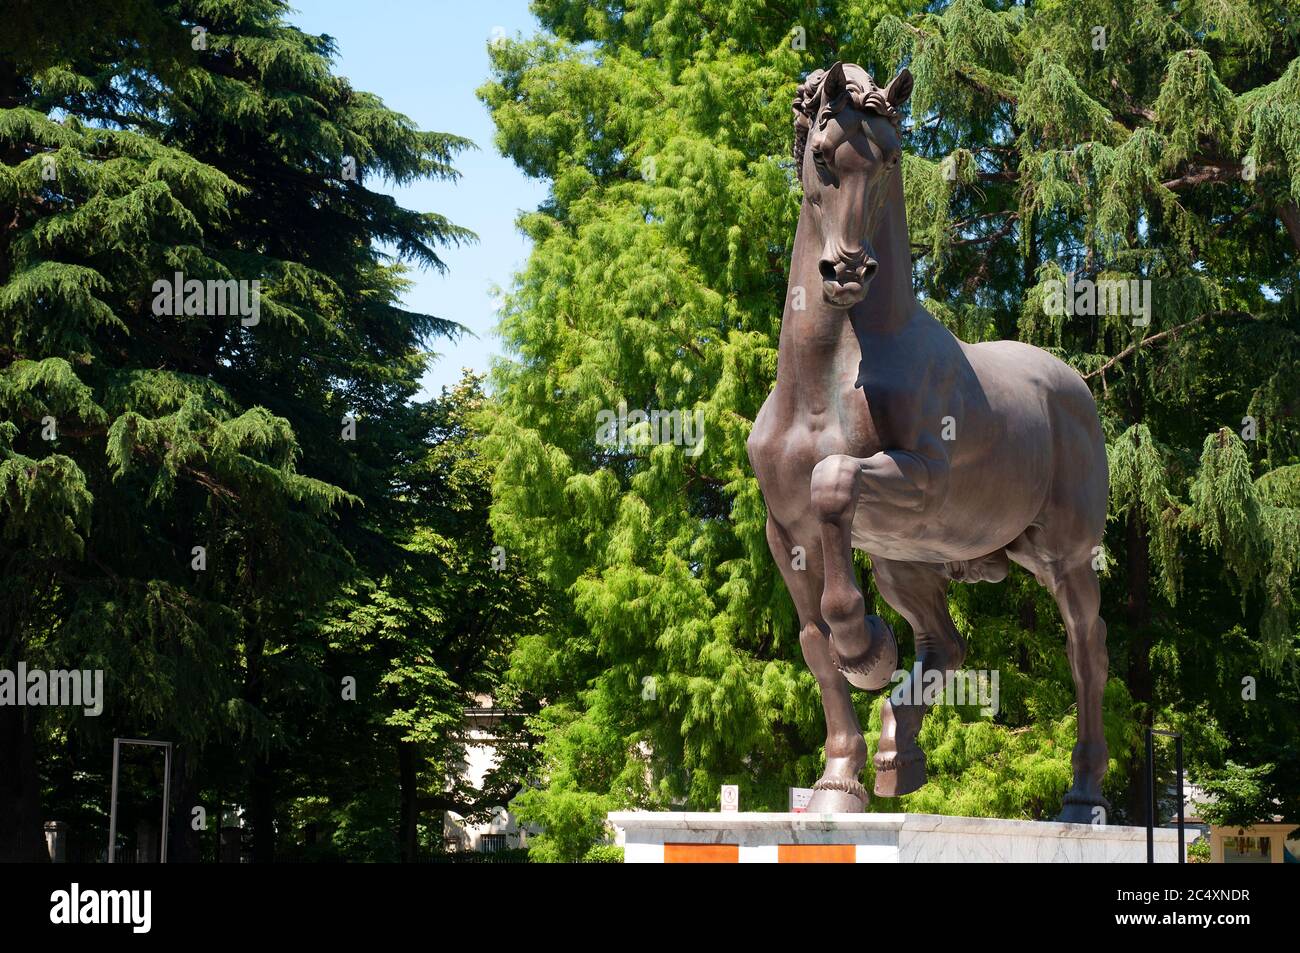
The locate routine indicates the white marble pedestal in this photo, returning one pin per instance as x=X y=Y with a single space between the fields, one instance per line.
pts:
x=655 y=838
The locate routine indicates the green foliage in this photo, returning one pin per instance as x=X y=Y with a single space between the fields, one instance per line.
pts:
x=129 y=152
x=571 y=821
x=604 y=854
x=1138 y=486
x=1239 y=795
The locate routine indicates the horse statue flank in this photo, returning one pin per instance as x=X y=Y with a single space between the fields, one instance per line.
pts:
x=942 y=460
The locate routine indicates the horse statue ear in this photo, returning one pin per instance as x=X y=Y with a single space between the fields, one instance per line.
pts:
x=834 y=86
x=899 y=88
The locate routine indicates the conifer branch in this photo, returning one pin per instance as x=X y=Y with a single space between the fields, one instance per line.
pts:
x=1163 y=335
x=1132 y=108
x=1208 y=172
x=206 y=480
x=1001 y=232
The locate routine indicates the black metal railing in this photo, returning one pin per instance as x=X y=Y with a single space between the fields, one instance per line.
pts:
x=1151 y=791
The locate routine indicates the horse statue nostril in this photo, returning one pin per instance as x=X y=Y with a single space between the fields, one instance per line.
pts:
x=869 y=267
x=827 y=269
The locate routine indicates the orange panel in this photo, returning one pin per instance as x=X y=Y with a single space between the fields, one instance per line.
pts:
x=816 y=854
x=701 y=854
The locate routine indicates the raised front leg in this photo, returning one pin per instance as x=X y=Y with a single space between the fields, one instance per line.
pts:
x=888 y=485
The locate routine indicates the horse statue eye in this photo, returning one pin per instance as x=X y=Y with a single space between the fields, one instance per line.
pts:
x=824 y=171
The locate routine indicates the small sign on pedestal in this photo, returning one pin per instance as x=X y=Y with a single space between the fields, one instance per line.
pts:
x=799 y=798
x=731 y=797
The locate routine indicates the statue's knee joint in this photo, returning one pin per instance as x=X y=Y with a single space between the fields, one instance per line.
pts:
x=843 y=604
x=834 y=485
x=810 y=637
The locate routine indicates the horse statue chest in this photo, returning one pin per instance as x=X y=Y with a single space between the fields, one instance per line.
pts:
x=792 y=435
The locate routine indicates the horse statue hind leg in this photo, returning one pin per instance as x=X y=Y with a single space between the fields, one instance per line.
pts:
x=1059 y=549
x=919 y=593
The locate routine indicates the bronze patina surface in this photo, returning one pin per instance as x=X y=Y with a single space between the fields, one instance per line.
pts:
x=942 y=460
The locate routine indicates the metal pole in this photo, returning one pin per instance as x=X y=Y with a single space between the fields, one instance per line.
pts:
x=112 y=798
x=112 y=805
x=1151 y=798
x=1178 y=755
x=167 y=790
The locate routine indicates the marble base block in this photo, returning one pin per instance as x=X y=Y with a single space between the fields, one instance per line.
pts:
x=655 y=838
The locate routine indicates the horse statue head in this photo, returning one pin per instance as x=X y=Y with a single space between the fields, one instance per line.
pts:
x=848 y=126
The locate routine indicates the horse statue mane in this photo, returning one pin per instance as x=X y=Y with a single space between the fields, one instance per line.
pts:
x=863 y=91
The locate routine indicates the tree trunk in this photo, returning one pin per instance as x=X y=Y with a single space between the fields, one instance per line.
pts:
x=1289 y=212
x=408 y=835
x=261 y=810
x=261 y=788
x=22 y=833
x=184 y=843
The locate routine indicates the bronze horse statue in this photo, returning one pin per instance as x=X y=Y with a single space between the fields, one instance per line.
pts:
x=942 y=460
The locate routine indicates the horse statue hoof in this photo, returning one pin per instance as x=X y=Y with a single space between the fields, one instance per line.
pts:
x=1083 y=809
x=838 y=796
x=872 y=668
x=899 y=774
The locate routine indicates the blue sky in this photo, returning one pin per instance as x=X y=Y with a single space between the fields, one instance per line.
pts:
x=425 y=59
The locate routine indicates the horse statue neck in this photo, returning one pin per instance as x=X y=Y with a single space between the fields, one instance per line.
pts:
x=821 y=345
x=889 y=303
